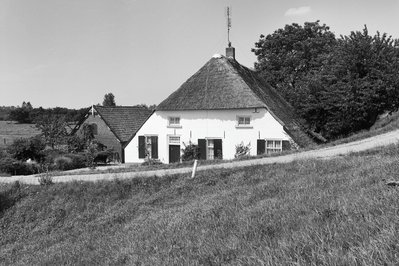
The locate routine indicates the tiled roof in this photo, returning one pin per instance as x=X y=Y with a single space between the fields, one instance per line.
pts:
x=123 y=121
x=222 y=83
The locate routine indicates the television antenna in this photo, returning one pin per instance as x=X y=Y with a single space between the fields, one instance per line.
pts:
x=228 y=16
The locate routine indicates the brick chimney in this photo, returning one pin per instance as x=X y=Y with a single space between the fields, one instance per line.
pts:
x=231 y=52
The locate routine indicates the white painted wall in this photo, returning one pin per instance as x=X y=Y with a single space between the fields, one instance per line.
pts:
x=200 y=124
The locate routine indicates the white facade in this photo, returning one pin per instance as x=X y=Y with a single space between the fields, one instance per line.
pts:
x=207 y=124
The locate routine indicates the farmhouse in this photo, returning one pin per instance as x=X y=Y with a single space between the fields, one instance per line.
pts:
x=222 y=105
x=114 y=126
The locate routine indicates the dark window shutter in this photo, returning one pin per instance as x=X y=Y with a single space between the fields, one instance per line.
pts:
x=141 y=147
x=202 y=148
x=286 y=145
x=154 y=147
x=260 y=146
x=218 y=149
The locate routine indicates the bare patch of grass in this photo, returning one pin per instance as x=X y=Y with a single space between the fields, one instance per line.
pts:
x=335 y=212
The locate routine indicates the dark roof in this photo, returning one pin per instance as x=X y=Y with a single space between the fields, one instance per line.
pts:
x=124 y=121
x=222 y=83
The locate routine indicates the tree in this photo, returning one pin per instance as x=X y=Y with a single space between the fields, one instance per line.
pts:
x=23 y=149
x=21 y=114
x=358 y=82
x=109 y=100
x=292 y=53
x=54 y=129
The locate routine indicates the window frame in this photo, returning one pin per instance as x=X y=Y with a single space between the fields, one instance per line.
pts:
x=244 y=118
x=274 y=148
x=174 y=125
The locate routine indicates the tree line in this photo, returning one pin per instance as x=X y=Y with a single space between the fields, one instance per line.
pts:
x=337 y=85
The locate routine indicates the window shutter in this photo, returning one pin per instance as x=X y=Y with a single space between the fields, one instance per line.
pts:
x=141 y=147
x=202 y=148
x=286 y=145
x=154 y=147
x=218 y=149
x=260 y=146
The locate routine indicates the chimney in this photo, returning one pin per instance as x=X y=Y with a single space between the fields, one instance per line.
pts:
x=231 y=52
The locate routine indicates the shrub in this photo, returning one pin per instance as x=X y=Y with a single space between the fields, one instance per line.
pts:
x=190 y=152
x=63 y=163
x=242 y=150
x=15 y=167
x=32 y=148
x=45 y=180
x=78 y=160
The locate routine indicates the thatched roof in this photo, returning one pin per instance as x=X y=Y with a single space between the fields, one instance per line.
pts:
x=222 y=83
x=123 y=121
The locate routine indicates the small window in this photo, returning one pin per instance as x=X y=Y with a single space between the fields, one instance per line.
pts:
x=94 y=129
x=174 y=121
x=273 y=146
x=243 y=121
x=174 y=140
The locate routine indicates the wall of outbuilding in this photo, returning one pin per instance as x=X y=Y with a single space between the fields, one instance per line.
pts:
x=104 y=134
x=200 y=124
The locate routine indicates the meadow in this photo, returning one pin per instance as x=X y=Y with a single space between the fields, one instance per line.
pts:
x=9 y=131
x=320 y=212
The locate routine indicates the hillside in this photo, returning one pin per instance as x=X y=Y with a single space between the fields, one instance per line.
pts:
x=335 y=211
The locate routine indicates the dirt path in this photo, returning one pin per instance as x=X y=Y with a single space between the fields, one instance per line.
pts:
x=324 y=153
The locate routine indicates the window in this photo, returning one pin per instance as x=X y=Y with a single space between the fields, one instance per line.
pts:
x=210 y=150
x=148 y=147
x=174 y=140
x=94 y=129
x=243 y=121
x=174 y=121
x=273 y=146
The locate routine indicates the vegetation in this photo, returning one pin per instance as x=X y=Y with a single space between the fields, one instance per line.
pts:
x=242 y=150
x=331 y=212
x=190 y=152
x=339 y=86
x=109 y=100
x=28 y=115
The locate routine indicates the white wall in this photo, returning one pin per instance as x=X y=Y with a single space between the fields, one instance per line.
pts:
x=208 y=124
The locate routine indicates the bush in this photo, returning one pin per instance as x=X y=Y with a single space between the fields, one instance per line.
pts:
x=78 y=160
x=63 y=163
x=190 y=152
x=45 y=180
x=242 y=150
x=24 y=149
x=14 y=167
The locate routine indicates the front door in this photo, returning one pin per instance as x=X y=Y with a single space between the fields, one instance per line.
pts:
x=174 y=153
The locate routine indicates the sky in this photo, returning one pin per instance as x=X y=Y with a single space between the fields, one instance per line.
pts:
x=70 y=53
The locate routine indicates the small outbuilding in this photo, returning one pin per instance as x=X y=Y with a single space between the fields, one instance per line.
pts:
x=114 y=126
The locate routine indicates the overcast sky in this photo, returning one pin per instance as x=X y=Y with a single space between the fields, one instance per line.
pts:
x=69 y=53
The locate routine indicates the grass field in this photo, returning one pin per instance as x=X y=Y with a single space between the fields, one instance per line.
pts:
x=9 y=131
x=335 y=212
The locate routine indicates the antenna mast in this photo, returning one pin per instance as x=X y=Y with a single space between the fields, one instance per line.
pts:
x=228 y=15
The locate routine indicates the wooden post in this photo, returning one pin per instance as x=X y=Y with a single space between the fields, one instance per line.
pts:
x=194 y=168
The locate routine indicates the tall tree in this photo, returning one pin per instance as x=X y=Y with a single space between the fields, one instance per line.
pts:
x=54 y=129
x=358 y=82
x=109 y=100
x=291 y=53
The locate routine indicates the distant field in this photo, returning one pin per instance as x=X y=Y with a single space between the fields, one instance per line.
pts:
x=9 y=131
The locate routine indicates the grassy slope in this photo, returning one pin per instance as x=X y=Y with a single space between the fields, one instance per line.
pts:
x=323 y=212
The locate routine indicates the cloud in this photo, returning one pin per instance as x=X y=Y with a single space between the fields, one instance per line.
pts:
x=298 y=11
